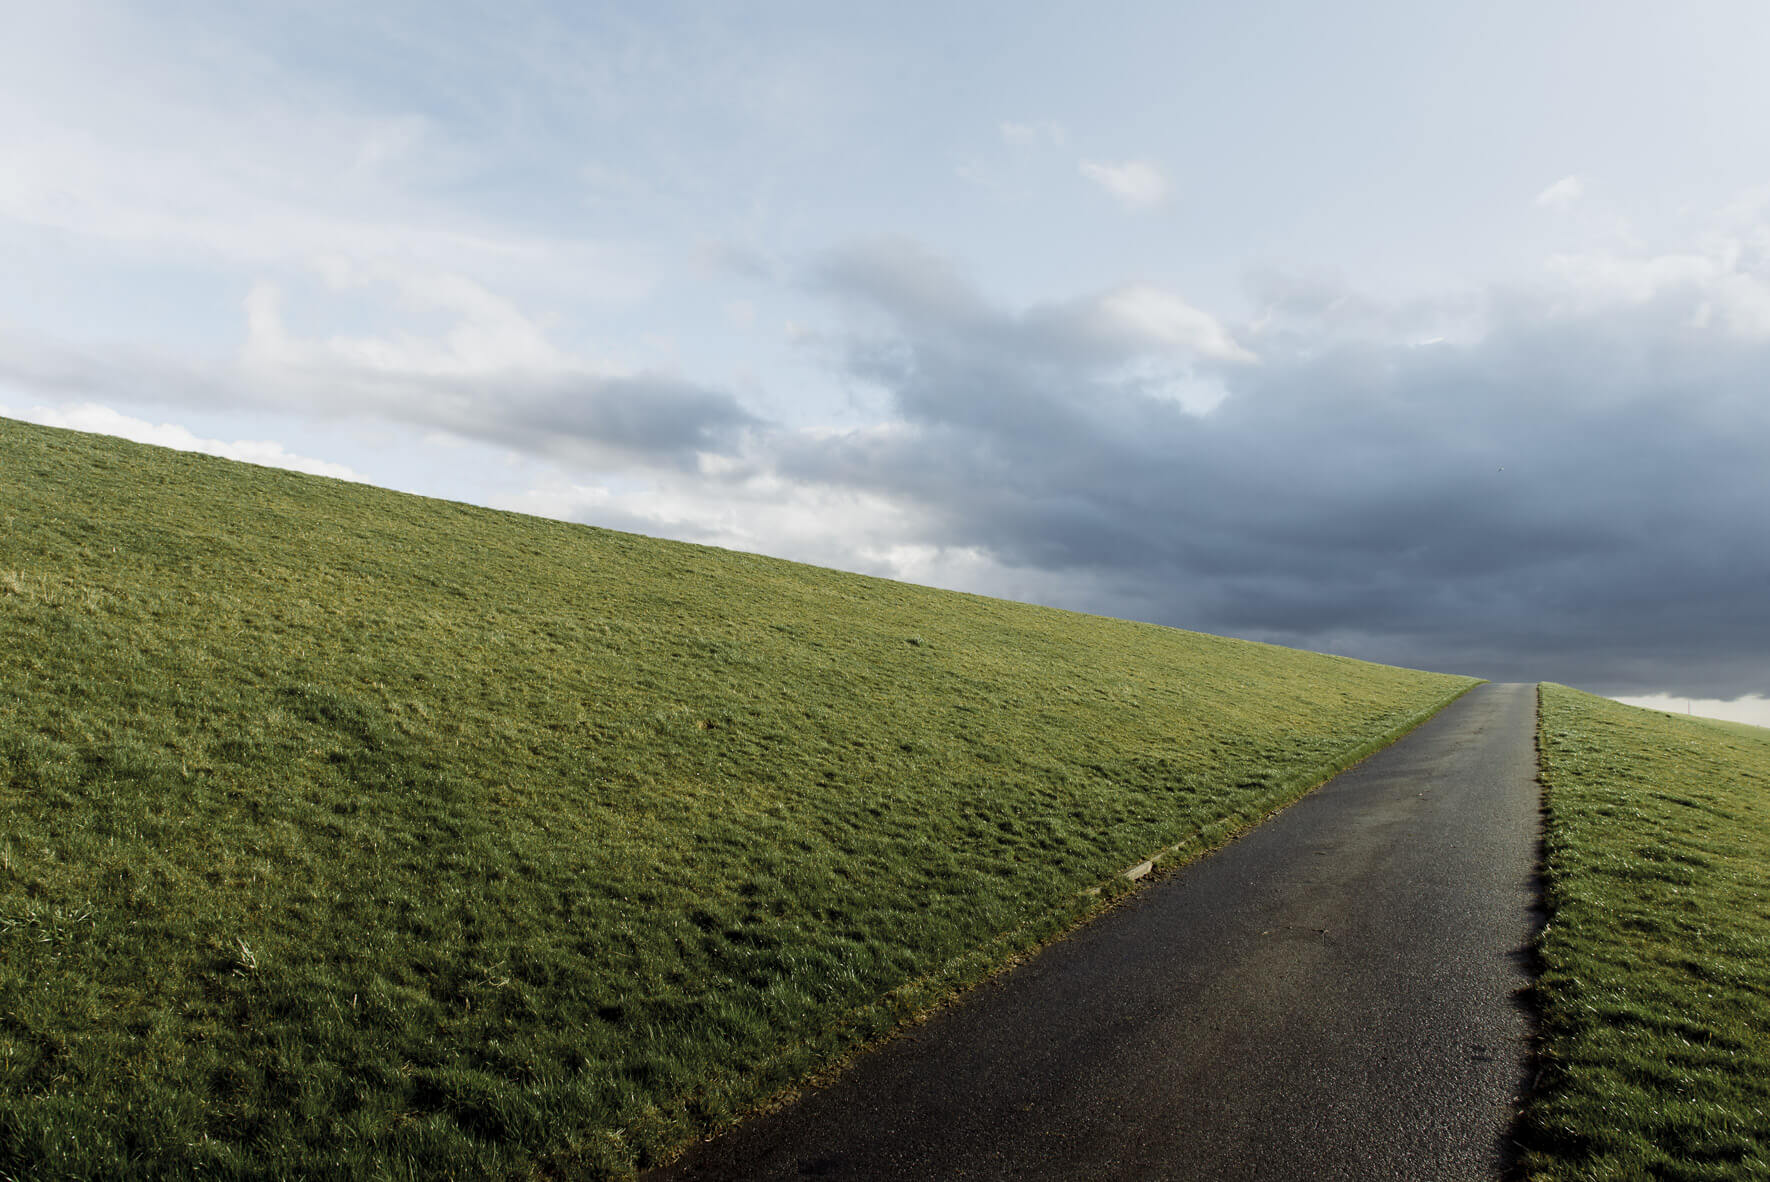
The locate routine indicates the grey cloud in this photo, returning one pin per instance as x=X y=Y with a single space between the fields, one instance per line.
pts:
x=655 y=418
x=1572 y=498
x=911 y=292
x=645 y=419
x=916 y=288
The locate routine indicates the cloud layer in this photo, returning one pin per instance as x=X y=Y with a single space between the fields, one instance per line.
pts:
x=1575 y=493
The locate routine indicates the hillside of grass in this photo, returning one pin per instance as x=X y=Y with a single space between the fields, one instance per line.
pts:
x=351 y=833
x=1656 y=976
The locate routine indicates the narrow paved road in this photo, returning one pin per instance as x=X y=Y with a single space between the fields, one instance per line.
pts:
x=1333 y=996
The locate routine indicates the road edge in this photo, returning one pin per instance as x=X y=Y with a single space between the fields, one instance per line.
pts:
x=921 y=998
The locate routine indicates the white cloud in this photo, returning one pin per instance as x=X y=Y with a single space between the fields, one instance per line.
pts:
x=1153 y=317
x=1722 y=284
x=102 y=420
x=1751 y=708
x=489 y=334
x=738 y=506
x=1563 y=194
x=1606 y=277
x=1138 y=184
x=491 y=375
x=749 y=507
x=478 y=368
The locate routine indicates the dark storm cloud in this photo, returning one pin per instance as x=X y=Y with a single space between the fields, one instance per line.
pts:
x=1577 y=498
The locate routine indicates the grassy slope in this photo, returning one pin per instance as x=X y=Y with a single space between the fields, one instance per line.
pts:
x=1656 y=984
x=351 y=831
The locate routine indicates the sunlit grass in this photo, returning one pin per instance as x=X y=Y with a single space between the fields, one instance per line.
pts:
x=353 y=833
x=1656 y=985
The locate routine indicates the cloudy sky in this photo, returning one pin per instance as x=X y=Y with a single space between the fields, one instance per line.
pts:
x=1432 y=334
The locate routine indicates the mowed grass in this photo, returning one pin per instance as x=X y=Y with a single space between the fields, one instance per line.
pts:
x=1656 y=982
x=348 y=833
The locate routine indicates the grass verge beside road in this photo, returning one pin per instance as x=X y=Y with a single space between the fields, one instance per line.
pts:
x=349 y=833
x=1656 y=985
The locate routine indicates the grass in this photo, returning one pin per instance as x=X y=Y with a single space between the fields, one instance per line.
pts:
x=1656 y=981
x=350 y=833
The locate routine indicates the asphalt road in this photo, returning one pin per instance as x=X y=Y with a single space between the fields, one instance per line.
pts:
x=1335 y=995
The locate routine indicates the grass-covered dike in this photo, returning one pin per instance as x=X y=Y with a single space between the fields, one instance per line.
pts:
x=1655 y=989
x=349 y=833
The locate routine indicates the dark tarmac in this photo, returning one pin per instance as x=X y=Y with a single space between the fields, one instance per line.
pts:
x=1335 y=995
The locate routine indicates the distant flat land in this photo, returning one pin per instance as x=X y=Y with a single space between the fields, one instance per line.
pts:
x=352 y=833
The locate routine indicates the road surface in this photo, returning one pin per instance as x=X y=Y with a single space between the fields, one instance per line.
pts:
x=1335 y=995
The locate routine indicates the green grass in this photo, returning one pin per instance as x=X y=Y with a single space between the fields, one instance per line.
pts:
x=1656 y=981
x=349 y=833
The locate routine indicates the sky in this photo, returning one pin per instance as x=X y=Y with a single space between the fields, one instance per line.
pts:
x=1436 y=335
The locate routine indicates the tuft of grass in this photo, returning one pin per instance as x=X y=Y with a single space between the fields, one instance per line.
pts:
x=350 y=833
x=1655 y=990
